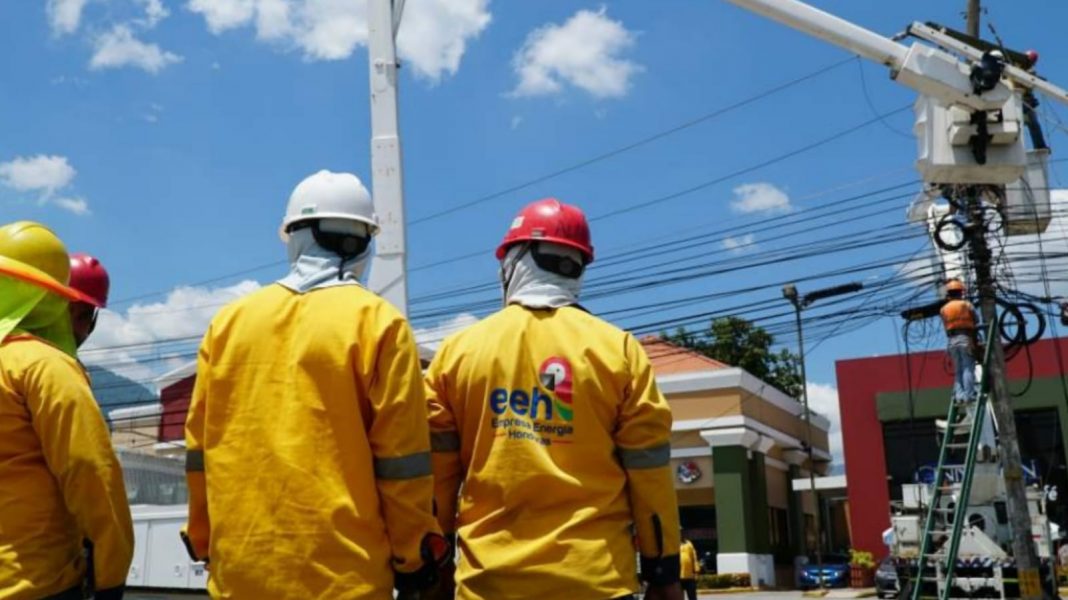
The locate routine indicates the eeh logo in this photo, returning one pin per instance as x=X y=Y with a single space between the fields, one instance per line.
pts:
x=542 y=401
x=555 y=375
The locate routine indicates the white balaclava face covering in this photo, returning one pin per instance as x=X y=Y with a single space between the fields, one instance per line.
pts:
x=311 y=266
x=529 y=285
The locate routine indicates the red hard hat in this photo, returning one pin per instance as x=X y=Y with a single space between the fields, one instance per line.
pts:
x=549 y=220
x=90 y=277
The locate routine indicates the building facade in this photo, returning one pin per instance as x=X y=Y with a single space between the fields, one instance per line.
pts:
x=889 y=435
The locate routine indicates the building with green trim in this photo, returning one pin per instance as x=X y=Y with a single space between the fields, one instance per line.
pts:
x=737 y=446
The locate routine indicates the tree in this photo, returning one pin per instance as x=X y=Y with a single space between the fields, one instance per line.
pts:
x=738 y=343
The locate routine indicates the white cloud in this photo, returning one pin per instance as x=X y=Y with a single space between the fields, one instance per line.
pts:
x=583 y=52
x=46 y=176
x=215 y=66
x=431 y=337
x=433 y=35
x=37 y=173
x=823 y=399
x=517 y=121
x=120 y=48
x=1024 y=257
x=1026 y=251
x=154 y=12
x=64 y=16
x=221 y=15
x=759 y=197
x=185 y=313
x=77 y=82
x=77 y=206
x=739 y=244
x=153 y=114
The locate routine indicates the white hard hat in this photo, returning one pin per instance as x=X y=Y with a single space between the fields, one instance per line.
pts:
x=328 y=195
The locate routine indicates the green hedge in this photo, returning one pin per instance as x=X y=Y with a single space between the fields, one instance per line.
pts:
x=723 y=580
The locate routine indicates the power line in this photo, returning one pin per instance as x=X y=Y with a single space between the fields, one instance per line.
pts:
x=636 y=144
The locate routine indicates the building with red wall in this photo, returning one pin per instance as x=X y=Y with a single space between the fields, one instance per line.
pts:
x=889 y=436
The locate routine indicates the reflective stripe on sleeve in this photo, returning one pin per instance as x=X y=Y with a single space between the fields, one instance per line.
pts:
x=403 y=467
x=645 y=458
x=194 y=461
x=444 y=441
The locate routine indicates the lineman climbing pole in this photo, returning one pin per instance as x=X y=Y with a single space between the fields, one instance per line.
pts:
x=969 y=114
x=389 y=267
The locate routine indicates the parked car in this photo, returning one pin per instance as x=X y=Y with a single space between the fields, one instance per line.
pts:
x=835 y=572
x=886 y=584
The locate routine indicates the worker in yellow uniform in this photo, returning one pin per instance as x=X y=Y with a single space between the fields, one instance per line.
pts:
x=690 y=569
x=308 y=450
x=958 y=317
x=90 y=278
x=61 y=488
x=550 y=422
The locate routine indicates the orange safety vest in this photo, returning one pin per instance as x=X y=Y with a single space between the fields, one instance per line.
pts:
x=958 y=315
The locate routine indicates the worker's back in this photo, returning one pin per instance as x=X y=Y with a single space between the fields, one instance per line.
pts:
x=55 y=461
x=288 y=389
x=958 y=317
x=537 y=398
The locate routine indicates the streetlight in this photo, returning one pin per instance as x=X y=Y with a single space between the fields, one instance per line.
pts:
x=800 y=303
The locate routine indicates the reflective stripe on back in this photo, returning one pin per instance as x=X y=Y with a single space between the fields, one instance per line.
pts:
x=645 y=458
x=409 y=466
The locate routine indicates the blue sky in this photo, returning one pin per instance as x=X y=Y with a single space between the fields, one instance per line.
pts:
x=178 y=128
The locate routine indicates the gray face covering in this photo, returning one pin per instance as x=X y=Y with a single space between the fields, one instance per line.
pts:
x=529 y=285
x=312 y=267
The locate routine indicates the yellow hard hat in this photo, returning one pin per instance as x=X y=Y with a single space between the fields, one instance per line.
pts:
x=35 y=245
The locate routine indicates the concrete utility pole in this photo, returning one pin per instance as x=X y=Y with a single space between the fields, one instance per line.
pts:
x=973 y=18
x=1023 y=547
x=389 y=277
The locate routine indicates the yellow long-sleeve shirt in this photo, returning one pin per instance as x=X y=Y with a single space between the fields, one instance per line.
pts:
x=688 y=561
x=552 y=422
x=308 y=448
x=60 y=482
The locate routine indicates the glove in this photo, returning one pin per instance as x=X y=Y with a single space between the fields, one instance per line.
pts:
x=436 y=553
x=114 y=593
x=662 y=571
x=670 y=591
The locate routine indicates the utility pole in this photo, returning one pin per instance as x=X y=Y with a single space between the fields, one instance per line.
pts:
x=800 y=303
x=808 y=433
x=389 y=266
x=1023 y=547
x=973 y=18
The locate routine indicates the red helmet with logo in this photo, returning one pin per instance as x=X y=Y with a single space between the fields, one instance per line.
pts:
x=90 y=278
x=549 y=220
